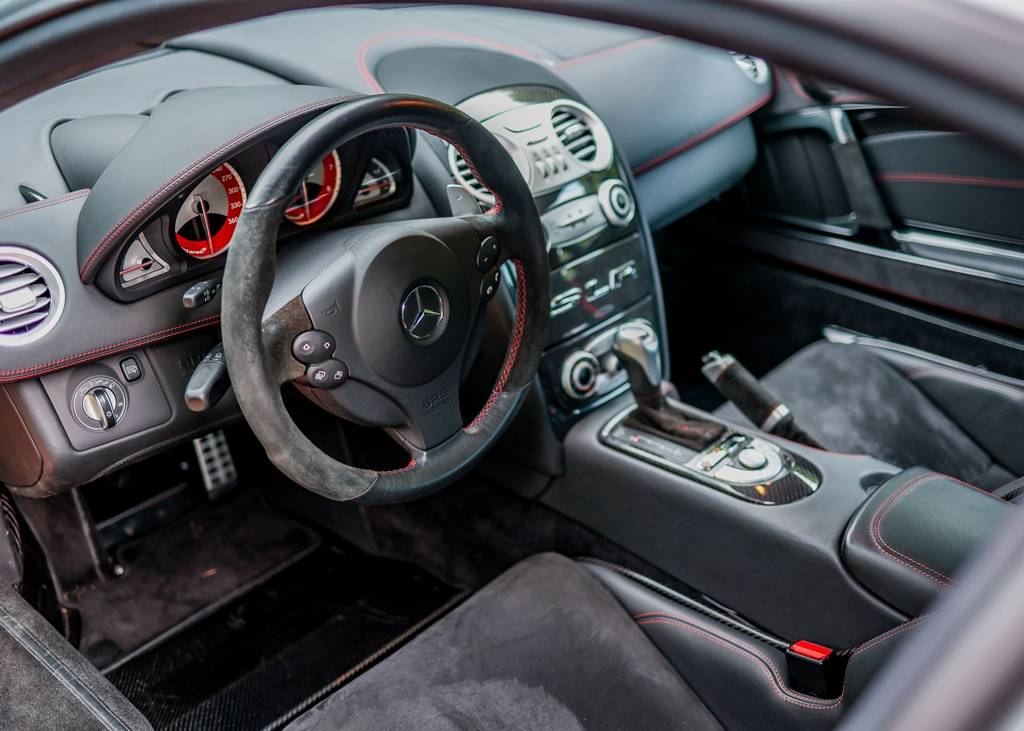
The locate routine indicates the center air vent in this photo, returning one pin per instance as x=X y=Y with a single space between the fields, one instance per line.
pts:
x=464 y=176
x=582 y=134
x=31 y=296
x=575 y=134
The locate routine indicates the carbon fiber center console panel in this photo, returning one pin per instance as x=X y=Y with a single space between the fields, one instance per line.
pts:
x=739 y=464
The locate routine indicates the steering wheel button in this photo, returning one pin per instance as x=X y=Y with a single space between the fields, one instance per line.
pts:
x=487 y=257
x=329 y=374
x=313 y=346
x=489 y=287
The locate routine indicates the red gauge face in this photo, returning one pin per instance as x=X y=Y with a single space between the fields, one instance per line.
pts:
x=208 y=217
x=317 y=193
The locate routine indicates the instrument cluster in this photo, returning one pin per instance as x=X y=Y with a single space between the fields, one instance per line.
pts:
x=193 y=231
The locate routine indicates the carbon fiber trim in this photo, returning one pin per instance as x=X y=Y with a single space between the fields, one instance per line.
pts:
x=733 y=622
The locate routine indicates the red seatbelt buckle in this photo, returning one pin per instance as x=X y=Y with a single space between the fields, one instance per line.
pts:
x=815 y=669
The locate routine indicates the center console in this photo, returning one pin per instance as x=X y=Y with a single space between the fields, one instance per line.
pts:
x=771 y=529
x=601 y=257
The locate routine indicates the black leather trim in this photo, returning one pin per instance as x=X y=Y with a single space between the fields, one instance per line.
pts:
x=908 y=539
x=701 y=608
x=741 y=679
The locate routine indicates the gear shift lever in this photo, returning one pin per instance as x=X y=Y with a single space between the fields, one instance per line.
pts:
x=637 y=351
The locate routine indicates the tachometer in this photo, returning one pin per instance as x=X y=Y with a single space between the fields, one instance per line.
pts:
x=318 y=192
x=209 y=214
x=379 y=182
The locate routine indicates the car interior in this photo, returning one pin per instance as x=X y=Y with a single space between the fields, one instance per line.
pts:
x=451 y=366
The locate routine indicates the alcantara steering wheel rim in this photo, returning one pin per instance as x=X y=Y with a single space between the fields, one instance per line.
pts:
x=258 y=337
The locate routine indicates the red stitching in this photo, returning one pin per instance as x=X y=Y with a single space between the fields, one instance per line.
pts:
x=513 y=349
x=45 y=203
x=868 y=644
x=874 y=530
x=144 y=208
x=707 y=134
x=780 y=688
x=944 y=179
x=9 y=376
x=409 y=466
x=767 y=667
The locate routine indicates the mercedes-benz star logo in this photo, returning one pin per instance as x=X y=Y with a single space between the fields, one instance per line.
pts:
x=423 y=312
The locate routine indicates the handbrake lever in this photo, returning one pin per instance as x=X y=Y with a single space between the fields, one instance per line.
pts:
x=749 y=395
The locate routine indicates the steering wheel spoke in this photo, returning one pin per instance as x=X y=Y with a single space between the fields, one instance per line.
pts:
x=432 y=413
x=279 y=332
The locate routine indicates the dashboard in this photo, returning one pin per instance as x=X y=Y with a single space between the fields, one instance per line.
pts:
x=126 y=184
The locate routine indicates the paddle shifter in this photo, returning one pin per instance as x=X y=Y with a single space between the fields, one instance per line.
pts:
x=637 y=351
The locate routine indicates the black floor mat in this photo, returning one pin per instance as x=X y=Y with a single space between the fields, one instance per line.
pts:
x=184 y=570
x=288 y=641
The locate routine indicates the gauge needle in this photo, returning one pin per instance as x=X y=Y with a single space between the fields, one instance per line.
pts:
x=201 y=205
x=305 y=199
x=144 y=264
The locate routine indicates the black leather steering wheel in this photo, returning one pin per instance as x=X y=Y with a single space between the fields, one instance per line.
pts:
x=401 y=300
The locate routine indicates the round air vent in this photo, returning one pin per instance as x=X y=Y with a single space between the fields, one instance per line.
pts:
x=582 y=134
x=464 y=177
x=31 y=296
x=755 y=68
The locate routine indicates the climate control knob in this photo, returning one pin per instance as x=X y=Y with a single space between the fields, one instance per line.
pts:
x=99 y=403
x=616 y=202
x=579 y=375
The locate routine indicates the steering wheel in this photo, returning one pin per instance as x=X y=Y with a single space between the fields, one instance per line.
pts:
x=401 y=303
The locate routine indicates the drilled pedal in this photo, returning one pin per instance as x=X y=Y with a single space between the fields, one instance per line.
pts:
x=216 y=464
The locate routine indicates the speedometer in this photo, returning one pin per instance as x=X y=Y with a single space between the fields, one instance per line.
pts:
x=318 y=192
x=209 y=214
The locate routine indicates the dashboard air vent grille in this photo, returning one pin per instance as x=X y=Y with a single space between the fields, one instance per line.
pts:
x=755 y=68
x=31 y=296
x=575 y=134
x=464 y=175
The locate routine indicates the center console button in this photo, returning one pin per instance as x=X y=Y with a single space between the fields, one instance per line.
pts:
x=130 y=369
x=573 y=221
x=579 y=375
x=751 y=459
x=616 y=202
x=313 y=346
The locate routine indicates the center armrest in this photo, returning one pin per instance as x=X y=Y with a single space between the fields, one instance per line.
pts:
x=911 y=536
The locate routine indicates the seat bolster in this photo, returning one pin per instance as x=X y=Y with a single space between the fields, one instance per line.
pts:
x=988 y=407
x=47 y=684
x=742 y=680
